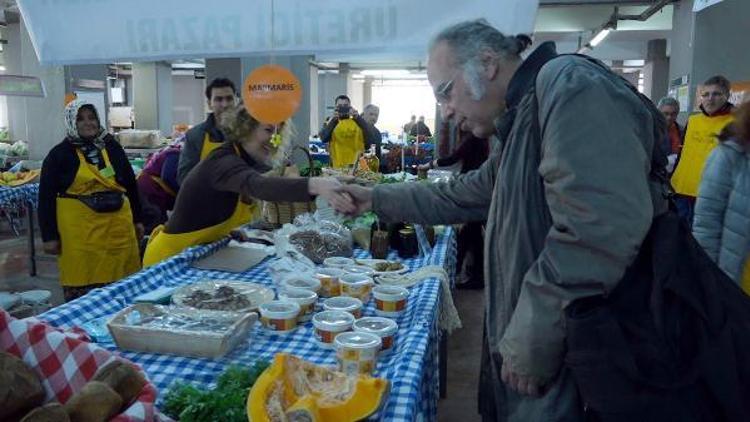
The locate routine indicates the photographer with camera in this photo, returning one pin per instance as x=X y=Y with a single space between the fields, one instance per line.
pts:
x=346 y=134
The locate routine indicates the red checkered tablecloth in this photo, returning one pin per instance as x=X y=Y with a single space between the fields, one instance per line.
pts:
x=65 y=361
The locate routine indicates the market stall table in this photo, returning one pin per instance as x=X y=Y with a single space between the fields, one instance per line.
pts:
x=412 y=367
x=24 y=197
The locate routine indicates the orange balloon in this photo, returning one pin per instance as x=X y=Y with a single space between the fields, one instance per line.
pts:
x=69 y=97
x=271 y=94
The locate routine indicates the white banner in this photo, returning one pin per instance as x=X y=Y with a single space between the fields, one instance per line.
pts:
x=699 y=5
x=105 y=31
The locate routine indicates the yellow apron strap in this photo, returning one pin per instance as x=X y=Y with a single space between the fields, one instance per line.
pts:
x=107 y=182
x=158 y=180
x=208 y=146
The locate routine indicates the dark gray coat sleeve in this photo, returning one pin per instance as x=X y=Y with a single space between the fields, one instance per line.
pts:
x=190 y=154
x=464 y=199
x=327 y=131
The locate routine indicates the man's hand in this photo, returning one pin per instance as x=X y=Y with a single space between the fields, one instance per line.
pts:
x=139 y=231
x=353 y=112
x=335 y=115
x=52 y=247
x=361 y=197
x=329 y=188
x=529 y=386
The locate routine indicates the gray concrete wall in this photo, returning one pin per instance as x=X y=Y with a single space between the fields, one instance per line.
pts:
x=188 y=100
x=330 y=86
x=721 y=42
x=152 y=96
x=224 y=68
x=39 y=121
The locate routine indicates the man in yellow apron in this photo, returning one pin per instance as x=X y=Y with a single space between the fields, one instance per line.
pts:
x=202 y=139
x=89 y=211
x=347 y=134
x=700 y=139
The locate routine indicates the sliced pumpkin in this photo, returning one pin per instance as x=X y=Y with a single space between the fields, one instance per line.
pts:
x=293 y=390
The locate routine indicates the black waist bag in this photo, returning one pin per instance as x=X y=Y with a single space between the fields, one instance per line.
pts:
x=670 y=343
x=108 y=201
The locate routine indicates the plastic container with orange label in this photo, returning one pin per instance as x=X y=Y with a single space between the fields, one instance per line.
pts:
x=343 y=303
x=328 y=324
x=329 y=281
x=279 y=316
x=390 y=301
x=359 y=286
x=384 y=328
x=304 y=298
x=357 y=353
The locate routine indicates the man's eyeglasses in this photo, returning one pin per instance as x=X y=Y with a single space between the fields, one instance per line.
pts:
x=443 y=92
x=714 y=94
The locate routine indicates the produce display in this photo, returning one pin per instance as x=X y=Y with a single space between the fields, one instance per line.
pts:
x=10 y=179
x=225 y=403
x=292 y=389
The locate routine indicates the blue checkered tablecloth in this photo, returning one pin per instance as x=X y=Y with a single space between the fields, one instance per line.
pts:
x=20 y=195
x=411 y=367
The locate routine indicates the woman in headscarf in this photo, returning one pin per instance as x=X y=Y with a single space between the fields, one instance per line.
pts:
x=223 y=191
x=89 y=211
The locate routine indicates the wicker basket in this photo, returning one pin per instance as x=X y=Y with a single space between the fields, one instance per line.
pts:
x=280 y=213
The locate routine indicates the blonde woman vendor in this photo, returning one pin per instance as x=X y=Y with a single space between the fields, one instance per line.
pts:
x=89 y=212
x=222 y=191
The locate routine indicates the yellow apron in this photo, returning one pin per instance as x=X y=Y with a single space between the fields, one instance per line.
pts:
x=96 y=247
x=162 y=245
x=347 y=142
x=745 y=281
x=700 y=140
x=208 y=146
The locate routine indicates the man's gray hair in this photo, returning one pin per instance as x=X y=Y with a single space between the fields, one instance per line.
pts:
x=370 y=106
x=469 y=40
x=669 y=101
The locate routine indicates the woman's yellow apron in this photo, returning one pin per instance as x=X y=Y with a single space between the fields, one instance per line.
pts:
x=347 y=142
x=96 y=247
x=162 y=245
x=208 y=146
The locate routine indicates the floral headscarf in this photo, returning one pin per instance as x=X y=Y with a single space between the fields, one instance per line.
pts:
x=89 y=148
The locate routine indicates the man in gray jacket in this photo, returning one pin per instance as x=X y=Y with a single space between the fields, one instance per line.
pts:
x=567 y=197
x=200 y=140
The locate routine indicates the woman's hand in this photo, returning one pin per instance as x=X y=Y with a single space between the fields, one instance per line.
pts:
x=329 y=189
x=52 y=247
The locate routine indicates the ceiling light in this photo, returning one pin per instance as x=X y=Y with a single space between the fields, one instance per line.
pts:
x=598 y=38
x=2 y=68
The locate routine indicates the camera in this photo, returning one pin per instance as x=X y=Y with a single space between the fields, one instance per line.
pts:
x=343 y=111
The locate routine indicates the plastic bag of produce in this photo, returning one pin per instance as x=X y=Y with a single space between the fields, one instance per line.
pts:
x=19 y=148
x=314 y=238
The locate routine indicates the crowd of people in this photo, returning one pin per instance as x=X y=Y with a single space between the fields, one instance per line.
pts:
x=564 y=194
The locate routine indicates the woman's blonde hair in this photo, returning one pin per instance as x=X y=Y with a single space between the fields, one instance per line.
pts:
x=237 y=124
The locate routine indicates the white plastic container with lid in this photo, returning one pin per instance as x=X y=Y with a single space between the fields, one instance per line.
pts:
x=304 y=298
x=279 y=316
x=329 y=281
x=330 y=323
x=357 y=353
x=301 y=282
x=338 y=262
x=359 y=286
x=344 y=303
x=359 y=270
x=390 y=301
x=384 y=328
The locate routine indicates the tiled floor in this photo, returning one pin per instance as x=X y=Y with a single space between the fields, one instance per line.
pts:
x=463 y=345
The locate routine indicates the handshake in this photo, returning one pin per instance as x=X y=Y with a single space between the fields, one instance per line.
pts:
x=347 y=199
